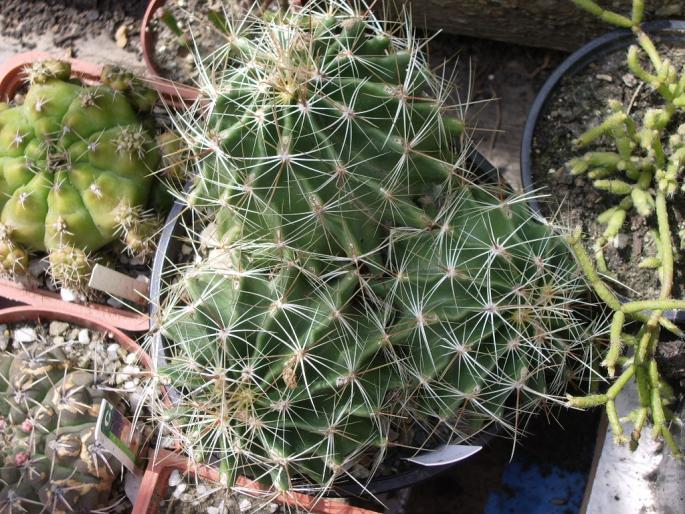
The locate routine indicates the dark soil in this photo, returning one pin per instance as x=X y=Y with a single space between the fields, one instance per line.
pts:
x=67 y=20
x=578 y=103
x=172 y=53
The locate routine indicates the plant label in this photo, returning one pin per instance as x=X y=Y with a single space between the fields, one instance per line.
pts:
x=117 y=435
x=445 y=454
x=117 y=284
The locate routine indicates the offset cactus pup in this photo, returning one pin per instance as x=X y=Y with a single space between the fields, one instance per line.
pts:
x=54 y=371
x=108 y=207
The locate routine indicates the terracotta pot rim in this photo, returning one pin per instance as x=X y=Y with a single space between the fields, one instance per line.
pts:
x=162 y=462
x=175 y=94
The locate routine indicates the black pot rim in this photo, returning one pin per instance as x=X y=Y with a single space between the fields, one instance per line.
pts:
x=595 y=49
x=412 y=476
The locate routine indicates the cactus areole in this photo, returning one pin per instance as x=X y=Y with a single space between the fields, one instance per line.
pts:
x=75 y=163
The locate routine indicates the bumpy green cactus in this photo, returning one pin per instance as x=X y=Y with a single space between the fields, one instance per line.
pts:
x=354 y=278
x=72 y=158
x=490 y=321
x=643 y=172
x=50 y=461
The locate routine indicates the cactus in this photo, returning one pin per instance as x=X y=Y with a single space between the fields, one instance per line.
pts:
x=490 y=317
x=50 y=461
x=71 y=157
x=353 y=277
x=324 y=125
x=643 y=172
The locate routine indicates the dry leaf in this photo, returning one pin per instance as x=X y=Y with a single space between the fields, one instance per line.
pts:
x=121 y=36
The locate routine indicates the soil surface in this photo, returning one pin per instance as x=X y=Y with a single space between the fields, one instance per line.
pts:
x=578 y=103
x=67 y=20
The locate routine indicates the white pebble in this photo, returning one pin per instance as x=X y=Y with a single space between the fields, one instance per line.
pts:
x=180 y=489
x=620 y=241
x=131 y=358
x=68 y=295
x=25 y=335
x=112 y=349
x=272 y=507
x=244 y=505
x=129 y=385
x=84 y=336
x=57 y=328
x=175 y=478
x=213 y=510
x=186 y=250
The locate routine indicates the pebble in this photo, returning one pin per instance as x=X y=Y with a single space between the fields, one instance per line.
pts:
x=25 y=335
x=84 y=336
x=68 y=295
x=180 y=489
x=244 y=505
x=113 y=349
x=605 y=78
x=129 y=385
x=186 y=250
x=57 y=328
x=38 y=267
x=131 y=358
x=620 y=241
x=175 y=478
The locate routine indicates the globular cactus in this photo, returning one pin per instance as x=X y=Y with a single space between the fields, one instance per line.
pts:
x=324 y=123
x=70 y=157
x=354 y=278
x=49 y=459
x=490 y=316
x=280 y=368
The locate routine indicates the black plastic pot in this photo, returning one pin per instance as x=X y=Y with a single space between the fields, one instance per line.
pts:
x=665 y=30
x=167 y=250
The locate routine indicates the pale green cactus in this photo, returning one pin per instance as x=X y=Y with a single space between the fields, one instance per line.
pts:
x=71 y=158
x=643 y=172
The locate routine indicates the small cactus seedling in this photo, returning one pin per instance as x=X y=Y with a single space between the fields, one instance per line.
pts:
x=49 y=459
x=355 y=278
x=72 y=158
x=643 y=173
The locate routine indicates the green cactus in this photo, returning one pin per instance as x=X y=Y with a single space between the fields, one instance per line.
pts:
x=50 y=461
x=643 y=172
x=489 y=317
x=353 y=278
x=71 y=156
x=325 y=125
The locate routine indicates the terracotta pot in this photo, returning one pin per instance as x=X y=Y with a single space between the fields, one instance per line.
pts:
x=12 y=76
x=88 y=319
x=182 y=93
x=155 y=484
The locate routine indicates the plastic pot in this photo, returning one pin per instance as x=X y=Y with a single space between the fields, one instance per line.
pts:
x=155 y=485
x=616 y=41
x=163 y=272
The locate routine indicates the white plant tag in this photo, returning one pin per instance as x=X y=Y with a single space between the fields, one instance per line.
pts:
x=445 y=454
x=116 y=434
x=117 y=284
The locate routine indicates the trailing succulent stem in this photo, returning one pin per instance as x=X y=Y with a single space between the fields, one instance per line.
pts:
x=352 y=280
x=49 y=459
x=71 y=157
x=644 y=174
